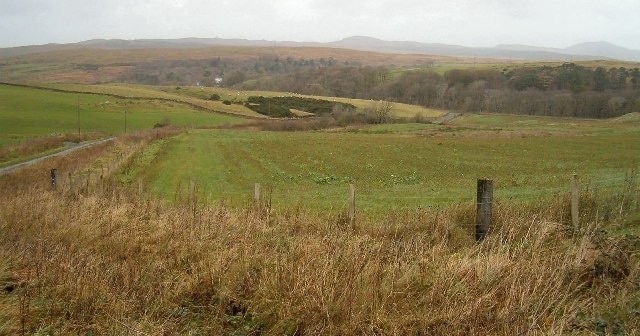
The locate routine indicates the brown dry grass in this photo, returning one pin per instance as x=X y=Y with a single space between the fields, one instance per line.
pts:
x=42 y=144
x=112 y=262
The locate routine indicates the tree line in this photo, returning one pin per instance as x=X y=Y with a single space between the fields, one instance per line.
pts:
x=565 y=90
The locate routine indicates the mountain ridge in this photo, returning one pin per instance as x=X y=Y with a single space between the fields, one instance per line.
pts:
x=578 y=52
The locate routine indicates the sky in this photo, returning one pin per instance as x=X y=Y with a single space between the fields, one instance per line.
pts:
x=475 y=23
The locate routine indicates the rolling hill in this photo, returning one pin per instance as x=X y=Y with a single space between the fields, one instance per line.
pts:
x=579 y=52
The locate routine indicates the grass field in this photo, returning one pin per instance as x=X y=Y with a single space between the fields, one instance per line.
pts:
x=199 y=96
x=27 y=113
x=95 y=257
x=395 y=166
x=108 y=261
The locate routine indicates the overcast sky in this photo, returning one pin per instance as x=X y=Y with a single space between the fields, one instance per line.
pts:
x=550 y=23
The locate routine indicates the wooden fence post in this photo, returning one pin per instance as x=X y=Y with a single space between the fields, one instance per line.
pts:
x=70 y=183
x=484 y=208
x=140 y=186
x=575 y=214
x=256 y=195
x=192 y=194
x=54 y=178
x=352 y=205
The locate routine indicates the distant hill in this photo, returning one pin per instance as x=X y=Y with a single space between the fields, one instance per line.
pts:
x=184 y=43
x=605 y=49
x=579 y=52
x=590 y=49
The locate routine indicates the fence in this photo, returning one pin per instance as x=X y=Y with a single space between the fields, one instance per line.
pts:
x=93 y=180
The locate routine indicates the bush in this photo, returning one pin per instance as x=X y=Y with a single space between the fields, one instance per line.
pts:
x=226 y=102
x=280 y=106
x=163 y=123
x=215 y=97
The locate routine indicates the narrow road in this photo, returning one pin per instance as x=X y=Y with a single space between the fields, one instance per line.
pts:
x=446 y=118
x=9 y=169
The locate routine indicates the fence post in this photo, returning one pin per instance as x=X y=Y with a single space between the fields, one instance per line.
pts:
x=54 y=178
x=70 y=183
x=192 y=194
x=352 y=205
x=140 y=186
x=484 y=208
x=256 y=195
x=575 y=214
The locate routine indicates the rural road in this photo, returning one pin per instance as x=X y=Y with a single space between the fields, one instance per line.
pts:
x=446 y=118
x=8 y=169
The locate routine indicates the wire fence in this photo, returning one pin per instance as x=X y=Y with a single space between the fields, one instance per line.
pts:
x=335 y=196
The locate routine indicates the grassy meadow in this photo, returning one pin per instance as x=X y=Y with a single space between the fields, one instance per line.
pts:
x=199 y=96
x=35 y=121
x=99 y=258
x=394 y=166
x=27 y=113
x=119 y=248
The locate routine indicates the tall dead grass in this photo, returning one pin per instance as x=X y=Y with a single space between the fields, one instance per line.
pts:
x=113 y=262
x=42 y=144
x=109 y=263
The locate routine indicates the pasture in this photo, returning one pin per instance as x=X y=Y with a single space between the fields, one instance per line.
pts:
x=96 y=257
x=395 y=166
x=27 y=113
x=199 y=96
x=36 y=121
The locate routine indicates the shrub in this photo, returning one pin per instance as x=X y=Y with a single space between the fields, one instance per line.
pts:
x=281 y=106
x=163 y=123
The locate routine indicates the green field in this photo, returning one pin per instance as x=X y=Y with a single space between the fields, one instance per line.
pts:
x=200 y=96
x=27 y=113
x=394 y=166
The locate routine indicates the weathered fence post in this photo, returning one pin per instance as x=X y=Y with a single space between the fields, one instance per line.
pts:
x=352 y=205
x=484 y=208
x=256 y=195
x=54 y=178
x=575 y=194
x=192 y=194
x=140 y=186
x=629 y=196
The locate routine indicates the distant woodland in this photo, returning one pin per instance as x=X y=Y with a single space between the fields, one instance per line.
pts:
x=567 y=90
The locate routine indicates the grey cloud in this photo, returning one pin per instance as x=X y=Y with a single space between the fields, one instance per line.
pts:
x=553 y=23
